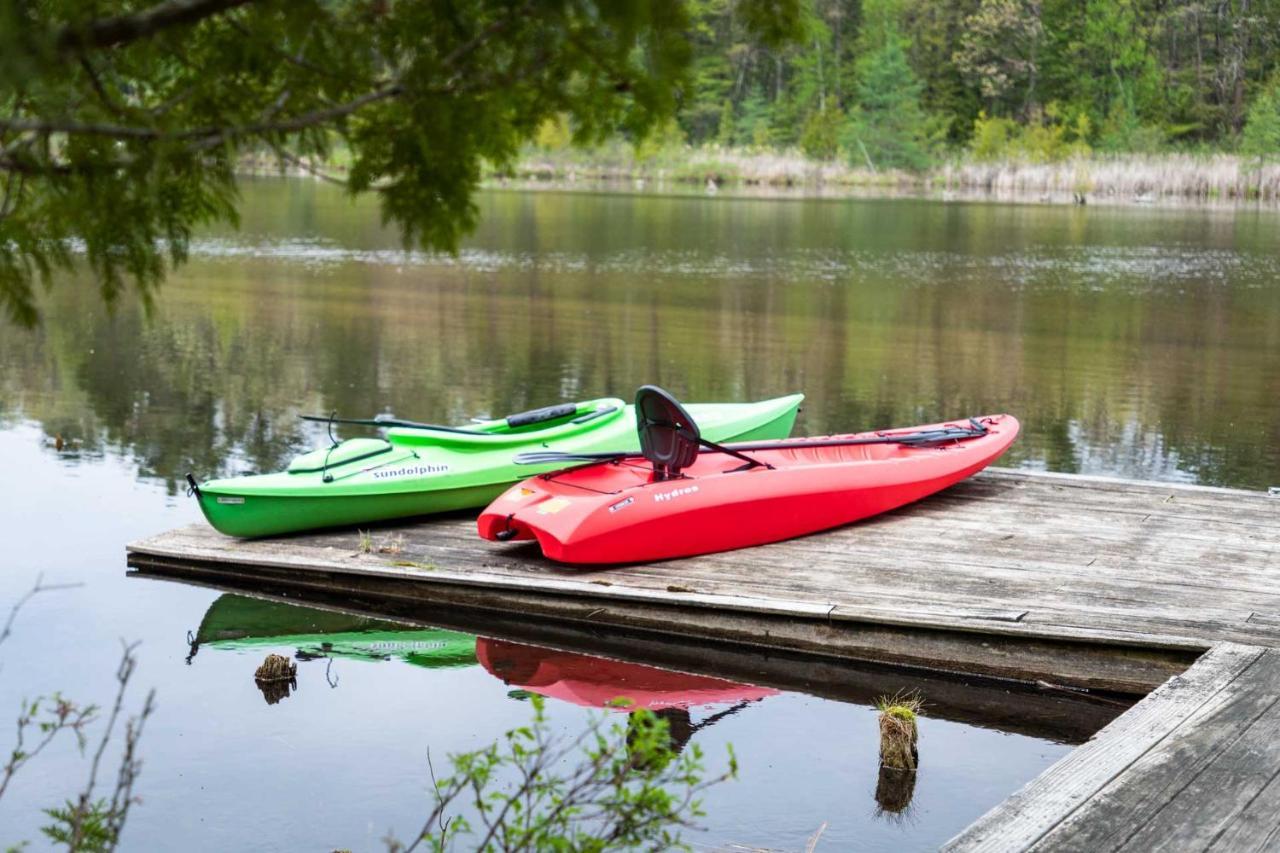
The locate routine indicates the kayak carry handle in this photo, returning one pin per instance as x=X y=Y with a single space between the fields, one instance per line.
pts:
x=538 y=416
x=591 y=416
x=507 y=533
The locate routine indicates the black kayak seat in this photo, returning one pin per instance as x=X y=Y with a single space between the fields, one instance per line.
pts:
x=669 y=438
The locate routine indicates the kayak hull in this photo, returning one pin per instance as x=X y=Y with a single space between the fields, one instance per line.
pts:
x=617 y=513
x=422 y=472
x=251 y=516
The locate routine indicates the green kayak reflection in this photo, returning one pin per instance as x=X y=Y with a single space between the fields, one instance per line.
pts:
x=241 y=622
x=238 y=622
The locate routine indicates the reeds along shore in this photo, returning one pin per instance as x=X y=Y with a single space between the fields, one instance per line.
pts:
x=1122 y=178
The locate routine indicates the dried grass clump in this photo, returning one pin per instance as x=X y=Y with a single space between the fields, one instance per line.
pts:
x=899 y=737
x=392 y=544
x=275 y=677
x=899 y=752
x=276 y=668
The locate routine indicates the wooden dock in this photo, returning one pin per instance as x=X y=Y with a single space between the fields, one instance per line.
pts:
x=1194 y=766
x=1075 y=581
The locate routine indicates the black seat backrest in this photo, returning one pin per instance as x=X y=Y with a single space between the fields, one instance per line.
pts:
x=668 y=436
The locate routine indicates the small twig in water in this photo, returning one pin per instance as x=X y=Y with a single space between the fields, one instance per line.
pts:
x=813 y=839
x=39 y=587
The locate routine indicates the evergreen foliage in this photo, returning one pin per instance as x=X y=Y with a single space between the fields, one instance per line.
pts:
x=1262 y=129
x=887 y=126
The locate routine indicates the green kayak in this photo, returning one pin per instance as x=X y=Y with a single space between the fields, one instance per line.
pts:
x=240 y=622
x=423 y=469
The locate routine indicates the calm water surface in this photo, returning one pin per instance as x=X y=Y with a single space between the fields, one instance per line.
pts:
x=1136 y=343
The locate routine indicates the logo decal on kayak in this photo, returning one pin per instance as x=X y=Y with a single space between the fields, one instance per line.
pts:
x=412 y=470
x=552 y=506
x=623 y=504
x=519 y=493
x=675 y=493
x=230 y=500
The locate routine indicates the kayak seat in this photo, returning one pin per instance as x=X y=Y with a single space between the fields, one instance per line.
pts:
x=669 y=437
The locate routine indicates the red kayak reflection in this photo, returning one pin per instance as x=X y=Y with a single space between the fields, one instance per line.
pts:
x=601 y=683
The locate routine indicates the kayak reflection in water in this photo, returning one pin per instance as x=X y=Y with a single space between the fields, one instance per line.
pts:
x=242 y=623
x=593 y=682
x=239 y=622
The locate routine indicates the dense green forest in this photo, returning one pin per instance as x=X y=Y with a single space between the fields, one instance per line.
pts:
x=899 y=82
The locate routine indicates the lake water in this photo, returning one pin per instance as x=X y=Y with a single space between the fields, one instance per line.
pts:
x=1130 y=342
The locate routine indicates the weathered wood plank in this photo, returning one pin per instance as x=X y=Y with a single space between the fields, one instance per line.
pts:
x=883 y=605
x=1039 y=710
x=1187 y=789
x=1027 y=817
x=1078 y=664
x=1006 y=553
x=1257 y=828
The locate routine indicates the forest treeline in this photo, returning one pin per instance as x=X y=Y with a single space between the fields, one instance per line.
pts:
x=902 y=83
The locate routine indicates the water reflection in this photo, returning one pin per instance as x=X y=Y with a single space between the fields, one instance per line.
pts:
x=1143 y=344
x=244 y=623
x=820 y=719
x=593 y=682
x=240 y=622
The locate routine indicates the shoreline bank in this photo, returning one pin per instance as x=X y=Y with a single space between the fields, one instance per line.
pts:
x=1175 y=180
x=1181 y=179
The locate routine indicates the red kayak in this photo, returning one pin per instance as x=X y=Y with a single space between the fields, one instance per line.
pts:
x=685 y=495
x=601 y=683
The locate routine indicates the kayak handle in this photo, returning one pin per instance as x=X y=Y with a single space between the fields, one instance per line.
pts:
x=507 y=533
x=591 y=416
x=537 y=416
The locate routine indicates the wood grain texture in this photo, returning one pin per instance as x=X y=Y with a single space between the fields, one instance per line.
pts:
x=1015 y=554
x=1029 y=817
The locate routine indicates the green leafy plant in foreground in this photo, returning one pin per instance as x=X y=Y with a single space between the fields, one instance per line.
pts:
x=613 y=787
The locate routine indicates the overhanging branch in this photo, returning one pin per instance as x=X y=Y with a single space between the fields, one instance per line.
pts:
x=122 y=29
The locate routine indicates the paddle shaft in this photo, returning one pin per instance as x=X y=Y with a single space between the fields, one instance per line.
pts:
x=386 y=422
x=913 y=438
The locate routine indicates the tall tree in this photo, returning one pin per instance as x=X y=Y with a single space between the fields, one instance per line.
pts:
x=1000 y=52
x=887 y=126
